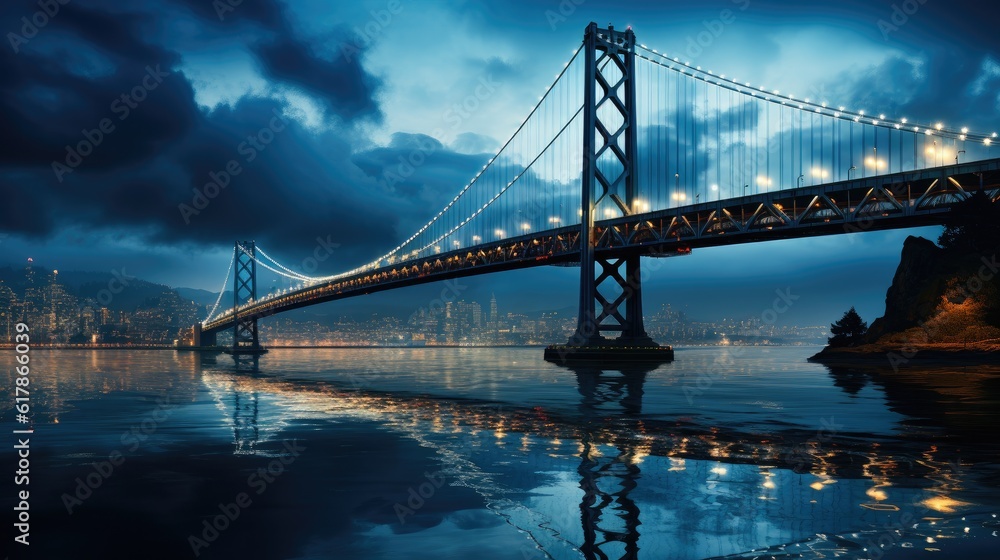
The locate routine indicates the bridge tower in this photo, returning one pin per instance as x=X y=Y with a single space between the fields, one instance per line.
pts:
x=609 y=154
x=245 y=339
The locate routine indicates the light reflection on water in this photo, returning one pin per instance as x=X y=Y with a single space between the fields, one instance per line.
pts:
x=703 y=457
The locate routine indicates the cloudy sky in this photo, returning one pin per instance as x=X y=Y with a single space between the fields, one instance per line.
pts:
x=340 y=89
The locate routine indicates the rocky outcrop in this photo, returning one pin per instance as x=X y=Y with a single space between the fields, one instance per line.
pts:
x=916 y=288
x=940 y=300
x=940 y=296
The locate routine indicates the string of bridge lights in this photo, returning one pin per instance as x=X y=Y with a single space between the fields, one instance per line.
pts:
x=374 y=264
x=225 y=282
x=291 y=274
x=288 y=273
x=498 y=194
x=840 y=112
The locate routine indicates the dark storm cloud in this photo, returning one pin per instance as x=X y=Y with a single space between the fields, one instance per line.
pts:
x=61 y=86
x=337 y=80
x=947 y=84
x=45 y=102
x=266 y=12
x=418 y=166
x=342 y=84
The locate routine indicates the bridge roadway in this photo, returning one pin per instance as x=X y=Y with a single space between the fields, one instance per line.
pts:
x=890 y=201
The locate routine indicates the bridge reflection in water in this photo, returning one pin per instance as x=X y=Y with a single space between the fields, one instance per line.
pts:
x=670 y=489
x=610 y=519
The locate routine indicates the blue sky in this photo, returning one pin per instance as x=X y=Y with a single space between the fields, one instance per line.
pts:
x=355 y=82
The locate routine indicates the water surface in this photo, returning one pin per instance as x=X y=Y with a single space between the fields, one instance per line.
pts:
x=494 y=453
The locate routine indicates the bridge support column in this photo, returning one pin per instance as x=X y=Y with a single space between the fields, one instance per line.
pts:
x=245 y=338
x=608 y=163
x=201 y=339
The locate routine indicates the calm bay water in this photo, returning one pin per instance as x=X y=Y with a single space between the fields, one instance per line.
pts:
x=493 y=453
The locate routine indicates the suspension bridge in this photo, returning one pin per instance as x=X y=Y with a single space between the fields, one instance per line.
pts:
x=632 y=153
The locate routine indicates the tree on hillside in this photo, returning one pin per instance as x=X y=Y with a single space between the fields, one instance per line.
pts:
x=973 y=225
x=849 y=330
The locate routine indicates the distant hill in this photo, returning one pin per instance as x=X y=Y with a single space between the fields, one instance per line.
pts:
x=204 y=297
x=116 y=290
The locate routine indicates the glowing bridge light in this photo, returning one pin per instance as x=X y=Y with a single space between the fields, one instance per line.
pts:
x=939 y=126
x=715 y=187
x=819 y=173
x=678 y=196
x=965 y=130
x=608 y=213
x=554 y=220
x=499 y=233
x=763 y=181
x=875 y=163
x=525 y=227
x=476 y=238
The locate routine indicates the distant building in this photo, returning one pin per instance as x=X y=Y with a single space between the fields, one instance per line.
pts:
x=9 y=311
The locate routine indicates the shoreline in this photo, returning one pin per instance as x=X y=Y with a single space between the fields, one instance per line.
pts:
x=895 y=355
x=10 y=346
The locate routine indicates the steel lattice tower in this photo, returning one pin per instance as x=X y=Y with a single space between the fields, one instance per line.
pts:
x=245 y=339
x=609 y=164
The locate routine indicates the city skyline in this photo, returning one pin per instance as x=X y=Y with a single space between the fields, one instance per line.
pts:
x=90 y=314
